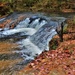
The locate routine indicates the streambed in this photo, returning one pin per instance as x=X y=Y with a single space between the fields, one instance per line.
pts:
x=15 y=50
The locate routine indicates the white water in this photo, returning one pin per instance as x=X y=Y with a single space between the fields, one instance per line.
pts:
x=38 y=42
x=24 y=27
x=30 y=50
x=1 y=19
x=34 y=24
x=42 y=37
x=40 y=33
x=23 y=23
x=26 y=31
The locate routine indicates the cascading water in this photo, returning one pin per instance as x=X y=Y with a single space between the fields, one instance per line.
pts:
x=26 y=27
x=32 y=22
x=38 y=42
x=40 y=31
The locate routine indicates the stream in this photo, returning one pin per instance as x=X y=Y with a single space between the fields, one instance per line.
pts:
x=23 y=36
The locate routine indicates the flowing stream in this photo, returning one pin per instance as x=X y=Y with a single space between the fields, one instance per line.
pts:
x=32 y=33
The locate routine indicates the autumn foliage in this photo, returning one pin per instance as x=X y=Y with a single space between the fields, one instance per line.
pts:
x=54 y=62
x=10 y=24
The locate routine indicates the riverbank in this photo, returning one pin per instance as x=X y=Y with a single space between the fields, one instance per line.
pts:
x=60 y=61
x=9 y=60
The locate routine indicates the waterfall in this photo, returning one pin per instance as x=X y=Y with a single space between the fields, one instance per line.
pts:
x=40 y=31
x=26 y=27
x=26 y=31
x=32 y=22
x=38 y=42
x=42 y=37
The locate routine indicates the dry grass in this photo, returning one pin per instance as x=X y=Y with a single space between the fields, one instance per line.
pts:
x=8 y=63
x=8 y=59
x=7 y=47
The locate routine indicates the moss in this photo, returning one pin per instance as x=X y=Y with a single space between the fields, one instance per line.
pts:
x=65 y=29
x=53 y=44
